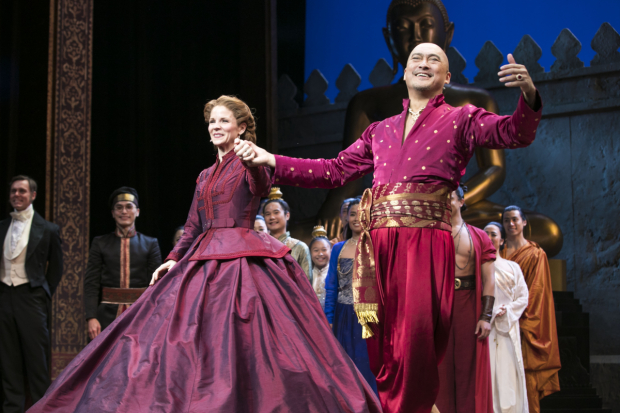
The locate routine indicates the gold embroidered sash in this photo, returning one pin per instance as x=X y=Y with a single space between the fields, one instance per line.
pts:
x=409 y=205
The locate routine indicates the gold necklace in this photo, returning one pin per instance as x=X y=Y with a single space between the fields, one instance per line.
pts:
x=416 y=114
x=471 y=247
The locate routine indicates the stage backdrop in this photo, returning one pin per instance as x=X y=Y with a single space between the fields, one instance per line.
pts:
x=340 y=31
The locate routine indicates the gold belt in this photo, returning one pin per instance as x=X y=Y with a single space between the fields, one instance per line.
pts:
x=396 y=205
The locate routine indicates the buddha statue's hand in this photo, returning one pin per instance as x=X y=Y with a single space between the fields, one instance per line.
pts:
x=332 y=226
x=516 y=75
x=253 y=155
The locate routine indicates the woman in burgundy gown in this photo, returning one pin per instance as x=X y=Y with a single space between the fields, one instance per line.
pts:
x=232 y=326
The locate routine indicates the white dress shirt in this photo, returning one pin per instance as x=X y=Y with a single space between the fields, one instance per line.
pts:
x=12 y=268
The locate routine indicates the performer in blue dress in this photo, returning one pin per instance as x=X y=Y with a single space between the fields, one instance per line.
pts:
x=339 y=296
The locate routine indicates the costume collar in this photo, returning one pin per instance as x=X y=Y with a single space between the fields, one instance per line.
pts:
x=434 y=102
x=226 y=157
x=24 y=215
x=284 y=236
x=128 y=233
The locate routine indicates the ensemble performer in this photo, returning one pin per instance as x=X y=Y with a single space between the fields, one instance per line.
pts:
x=418 y=158
x=507 y=374
x=344 y=208
x=539 y=341
x=30 y=271
x=231 y=323
x=320 y=251
x=339 y=296
x=178 y=233
x=465 y=372
x=120 y=264
x=277 y=215
x=260 y=225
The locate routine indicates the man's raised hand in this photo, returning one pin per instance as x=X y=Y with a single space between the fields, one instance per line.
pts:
x=516 y=75
x=252 y=155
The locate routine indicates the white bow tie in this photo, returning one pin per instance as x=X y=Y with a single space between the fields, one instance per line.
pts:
x=19 y=216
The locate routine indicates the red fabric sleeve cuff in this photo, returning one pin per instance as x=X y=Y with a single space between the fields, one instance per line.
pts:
x=174 y=257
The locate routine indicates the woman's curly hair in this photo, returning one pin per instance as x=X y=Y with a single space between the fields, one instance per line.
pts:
x=240 y=110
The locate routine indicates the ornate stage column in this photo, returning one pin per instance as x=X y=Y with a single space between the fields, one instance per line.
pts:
x=68 y=167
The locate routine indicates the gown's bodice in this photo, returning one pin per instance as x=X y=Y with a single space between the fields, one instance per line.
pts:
x=220 y=223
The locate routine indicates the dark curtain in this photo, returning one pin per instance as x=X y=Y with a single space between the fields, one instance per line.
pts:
x=24 y=35
x=155 y=66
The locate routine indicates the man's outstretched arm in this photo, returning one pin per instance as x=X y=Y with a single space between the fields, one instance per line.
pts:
x=350 y=164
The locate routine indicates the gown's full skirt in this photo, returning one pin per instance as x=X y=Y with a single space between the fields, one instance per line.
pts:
x=238 y=335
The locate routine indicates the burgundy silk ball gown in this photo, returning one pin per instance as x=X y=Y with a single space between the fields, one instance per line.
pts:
x=235 y=326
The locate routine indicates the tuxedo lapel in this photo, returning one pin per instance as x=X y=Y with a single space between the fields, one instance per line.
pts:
x=36 y=233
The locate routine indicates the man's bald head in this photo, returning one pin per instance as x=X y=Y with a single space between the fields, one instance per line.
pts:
x=427 y=70
x=430 y=49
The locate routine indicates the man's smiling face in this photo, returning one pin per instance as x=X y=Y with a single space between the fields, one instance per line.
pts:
x=427 y=69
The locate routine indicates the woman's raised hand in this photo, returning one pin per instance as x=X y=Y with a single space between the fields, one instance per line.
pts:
x=162 y=270
x=253 y=155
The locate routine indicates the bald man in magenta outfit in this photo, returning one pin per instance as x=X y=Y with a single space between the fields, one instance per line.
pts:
x=404 y=268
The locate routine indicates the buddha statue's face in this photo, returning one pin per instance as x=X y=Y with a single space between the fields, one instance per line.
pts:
x=409 y=26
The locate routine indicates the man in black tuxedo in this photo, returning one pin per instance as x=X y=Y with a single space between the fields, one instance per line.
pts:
x=30 y=270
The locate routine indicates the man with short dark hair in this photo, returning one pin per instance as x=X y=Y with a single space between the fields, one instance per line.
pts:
x=30 y=270
x=120 y=264
x=541 y=354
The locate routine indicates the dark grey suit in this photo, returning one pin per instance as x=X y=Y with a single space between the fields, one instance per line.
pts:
x=24 y=333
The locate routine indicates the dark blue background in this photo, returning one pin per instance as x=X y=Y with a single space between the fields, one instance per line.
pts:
x=349 y=31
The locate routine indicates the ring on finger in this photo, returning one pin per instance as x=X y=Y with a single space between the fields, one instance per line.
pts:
x=519 y=76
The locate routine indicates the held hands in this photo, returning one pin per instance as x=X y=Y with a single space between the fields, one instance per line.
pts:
x=252 y=155
x=484 y=328
x=516 y=75
x=162 y=270
x=94 y=328
x=502 y=311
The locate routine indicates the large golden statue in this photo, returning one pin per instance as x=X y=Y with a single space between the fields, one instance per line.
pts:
x=409 y=23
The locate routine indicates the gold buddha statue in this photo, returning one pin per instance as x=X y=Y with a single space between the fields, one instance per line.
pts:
x=409 y=23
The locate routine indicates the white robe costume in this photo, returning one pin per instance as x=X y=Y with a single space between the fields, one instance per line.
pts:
x=507 y=374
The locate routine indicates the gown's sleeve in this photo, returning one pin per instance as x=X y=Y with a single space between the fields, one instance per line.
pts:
x=351 y=164
x=192 y=228
x=259 y=180
x=331 y=284
x=514 y=309
x=480 y=127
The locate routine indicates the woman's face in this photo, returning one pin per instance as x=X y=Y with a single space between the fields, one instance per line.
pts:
x=259 y=226
x=354 y=221
x=320 y=252
x=494 y=234
x=275 y=217
x=223 y=128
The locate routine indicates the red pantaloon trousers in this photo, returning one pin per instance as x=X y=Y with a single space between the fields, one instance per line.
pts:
x=415 y=272
x=457 y=371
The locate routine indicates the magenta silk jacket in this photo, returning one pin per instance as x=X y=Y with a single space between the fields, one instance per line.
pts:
x=436 y=151
x=220 y=223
